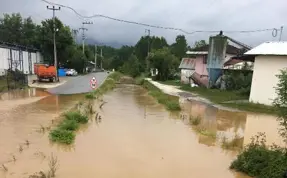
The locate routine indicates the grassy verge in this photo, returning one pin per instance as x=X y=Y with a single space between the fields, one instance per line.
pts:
x=258 y=160
x=65 y=130
x=64 y=133
x=221 y=97
x=171 y=102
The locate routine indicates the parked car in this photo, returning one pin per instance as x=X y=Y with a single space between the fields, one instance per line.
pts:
x=71 y=72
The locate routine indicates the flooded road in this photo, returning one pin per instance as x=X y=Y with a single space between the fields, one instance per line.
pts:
x=136 y=138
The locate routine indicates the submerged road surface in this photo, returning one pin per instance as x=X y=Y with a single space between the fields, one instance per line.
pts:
x=79 y=84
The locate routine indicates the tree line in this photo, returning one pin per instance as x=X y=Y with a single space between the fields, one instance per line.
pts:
x=148 y=53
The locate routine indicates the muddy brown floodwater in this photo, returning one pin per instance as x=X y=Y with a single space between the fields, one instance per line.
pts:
x=136 y=138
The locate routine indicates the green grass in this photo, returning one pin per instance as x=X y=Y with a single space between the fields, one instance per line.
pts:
x=221 y=96
x=62 y=136
x=70 y=125
x=171 y=82
x=3 y=84
x=171 y=102
x=64 y=133
x=77 y=116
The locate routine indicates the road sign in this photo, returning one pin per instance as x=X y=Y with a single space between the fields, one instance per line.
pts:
x=93 y=83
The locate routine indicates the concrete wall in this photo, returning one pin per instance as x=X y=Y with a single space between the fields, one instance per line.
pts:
x=264 y=78
x=185 y=74
x=26 y=67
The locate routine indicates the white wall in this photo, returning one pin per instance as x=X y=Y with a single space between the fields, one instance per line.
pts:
x=264 y=78
x=5 y=55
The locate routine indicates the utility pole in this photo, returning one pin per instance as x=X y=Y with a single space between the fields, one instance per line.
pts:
x=148 y=34
x=281 y=31
x=148 y=46
x=101 y=58
x=54 y=39
x=83 y=34
x=95 y=58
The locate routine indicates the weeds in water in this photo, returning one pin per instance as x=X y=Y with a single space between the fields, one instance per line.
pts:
x=236 y=142
x=42 y=128
x=70 y=125
x=195 y=120
x=62 y=136
x=20 y=148
x=14 y=158
x=77 y=116
x=259 y=160
x=64 y=132
x=4 y=168
x=53 y=165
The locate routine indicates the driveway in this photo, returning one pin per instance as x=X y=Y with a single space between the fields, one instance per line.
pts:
x=79 y=84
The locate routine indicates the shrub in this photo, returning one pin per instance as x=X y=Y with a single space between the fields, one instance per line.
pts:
x=70 y=125
x=62 y=136
x=77 y=116
x=261 y=161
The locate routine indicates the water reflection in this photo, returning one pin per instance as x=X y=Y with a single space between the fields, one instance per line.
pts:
x=25 y=93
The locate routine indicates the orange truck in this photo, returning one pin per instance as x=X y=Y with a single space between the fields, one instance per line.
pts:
x=44 y=71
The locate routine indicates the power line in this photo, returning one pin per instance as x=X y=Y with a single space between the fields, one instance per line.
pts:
x=156 y=26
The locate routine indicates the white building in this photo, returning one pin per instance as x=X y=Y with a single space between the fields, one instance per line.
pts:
x=18 y=57
x=269 y=59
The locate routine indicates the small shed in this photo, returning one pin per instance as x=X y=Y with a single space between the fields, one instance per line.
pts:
x=187 y=67
x=269 y=58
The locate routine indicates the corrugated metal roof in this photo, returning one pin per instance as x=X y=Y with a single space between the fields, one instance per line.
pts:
x=269 y=48
x=187 y=63
x=197 y=52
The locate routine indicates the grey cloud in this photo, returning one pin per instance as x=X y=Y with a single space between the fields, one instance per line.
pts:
x=186 y=14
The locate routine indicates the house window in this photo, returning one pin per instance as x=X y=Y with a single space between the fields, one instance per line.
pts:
x=205 y=59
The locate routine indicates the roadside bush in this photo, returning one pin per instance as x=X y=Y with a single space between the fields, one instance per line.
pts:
x=70 y=125
x=62 y=136
x=77 y=116
x=261 y=161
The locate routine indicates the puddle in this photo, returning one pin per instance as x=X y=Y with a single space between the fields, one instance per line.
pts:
x=136 y=138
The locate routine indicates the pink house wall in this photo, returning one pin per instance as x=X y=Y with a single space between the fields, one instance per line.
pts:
x=200 y=67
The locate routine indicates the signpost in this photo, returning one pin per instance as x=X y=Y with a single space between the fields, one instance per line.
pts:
x=93 y=83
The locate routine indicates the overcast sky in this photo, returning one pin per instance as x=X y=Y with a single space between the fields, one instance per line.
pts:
x=190 y=15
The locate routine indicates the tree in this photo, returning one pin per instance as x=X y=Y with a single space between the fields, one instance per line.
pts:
x=165 y=62
x=200 y=43
x=179 y=48
x=280 y=103
x=64 y=40
x=132 y=66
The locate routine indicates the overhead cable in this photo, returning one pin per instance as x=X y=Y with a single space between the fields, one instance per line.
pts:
x=156 y=26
